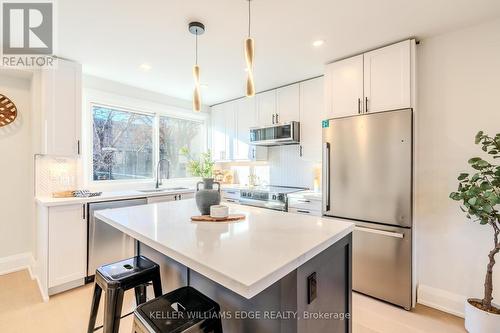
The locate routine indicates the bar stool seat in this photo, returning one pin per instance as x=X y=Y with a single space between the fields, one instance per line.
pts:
x=182 y=310
x=114 y=279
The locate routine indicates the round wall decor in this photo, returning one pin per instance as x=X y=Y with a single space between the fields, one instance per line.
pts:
x=8 y=111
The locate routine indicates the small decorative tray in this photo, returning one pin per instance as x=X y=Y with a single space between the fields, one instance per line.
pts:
x=208 y=218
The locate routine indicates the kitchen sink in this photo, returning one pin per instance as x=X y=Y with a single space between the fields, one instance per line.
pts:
x=166 y=189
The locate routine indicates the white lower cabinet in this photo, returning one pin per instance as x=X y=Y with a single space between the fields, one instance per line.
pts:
x=67 y=244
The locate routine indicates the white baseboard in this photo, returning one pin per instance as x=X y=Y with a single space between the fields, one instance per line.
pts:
x=16 y=263
x=441 y=299
x=21 y=261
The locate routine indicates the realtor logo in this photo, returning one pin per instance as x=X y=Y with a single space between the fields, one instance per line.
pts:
x=27 y=28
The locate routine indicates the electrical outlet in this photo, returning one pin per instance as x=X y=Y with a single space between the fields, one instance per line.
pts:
x=311 y=288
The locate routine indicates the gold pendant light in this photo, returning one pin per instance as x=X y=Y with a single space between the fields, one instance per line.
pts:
x=196 y=28
x=249 y=57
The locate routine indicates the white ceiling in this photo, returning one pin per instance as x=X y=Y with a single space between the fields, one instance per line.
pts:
x=113 y=38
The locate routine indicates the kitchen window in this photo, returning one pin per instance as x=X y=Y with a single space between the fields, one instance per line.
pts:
x=176 y=133
x=126 y=144
x=122 y=144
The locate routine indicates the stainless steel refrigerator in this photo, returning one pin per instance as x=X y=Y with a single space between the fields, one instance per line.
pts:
x=367 y=178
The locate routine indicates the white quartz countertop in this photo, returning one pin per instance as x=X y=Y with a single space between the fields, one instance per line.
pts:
x=245 y=257
x=106 y=196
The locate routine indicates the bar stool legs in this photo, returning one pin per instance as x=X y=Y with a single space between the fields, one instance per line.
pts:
x=94 y=307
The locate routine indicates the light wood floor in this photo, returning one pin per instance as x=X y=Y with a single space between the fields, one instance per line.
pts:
x=22 y=310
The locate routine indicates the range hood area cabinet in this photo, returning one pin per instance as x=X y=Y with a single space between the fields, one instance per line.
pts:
x=301 y=102
x=374 y=81
x=278 y=106
x=57 y=103
x=230 y=132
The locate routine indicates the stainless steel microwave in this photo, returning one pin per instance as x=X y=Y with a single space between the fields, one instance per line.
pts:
x=276 y=135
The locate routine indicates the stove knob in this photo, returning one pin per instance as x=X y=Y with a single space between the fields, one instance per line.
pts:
x=281 y=197
x=274 y=196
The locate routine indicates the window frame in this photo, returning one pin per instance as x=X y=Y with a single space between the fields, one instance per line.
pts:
x=138 y=107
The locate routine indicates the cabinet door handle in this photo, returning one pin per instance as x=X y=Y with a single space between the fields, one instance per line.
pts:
x=78 y=147
x=277 y=118
x=303 y=211
x=300 y=150
x=303 y=200
x=273 y=118
x=84 y=212
x=366 y=104
x=359 y=105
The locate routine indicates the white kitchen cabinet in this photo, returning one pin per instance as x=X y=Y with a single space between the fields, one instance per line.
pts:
x=67 y=235
x=311 y=114
x=246 y=117
x=287 y=104
x=220 y=141
x=57 y=105
x=344 y=87
x=266 y=108
x=387 y=84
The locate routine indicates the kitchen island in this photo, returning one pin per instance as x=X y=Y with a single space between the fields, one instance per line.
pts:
x=272 y=272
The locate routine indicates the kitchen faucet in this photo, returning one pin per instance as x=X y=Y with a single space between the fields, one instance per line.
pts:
x=158 y=172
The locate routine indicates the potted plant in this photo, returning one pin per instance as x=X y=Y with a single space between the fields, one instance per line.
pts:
x=203 y=167
x=479 y=194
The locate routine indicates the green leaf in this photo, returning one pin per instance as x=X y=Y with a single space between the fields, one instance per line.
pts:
x=474 y=160
x=478 y=136
x=472 y=201
x=463 y=176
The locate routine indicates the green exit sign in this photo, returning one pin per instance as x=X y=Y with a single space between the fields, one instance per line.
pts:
x=325 y=123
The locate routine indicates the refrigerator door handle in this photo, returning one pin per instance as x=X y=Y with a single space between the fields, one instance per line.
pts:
x=326 y=175
x=380 y=232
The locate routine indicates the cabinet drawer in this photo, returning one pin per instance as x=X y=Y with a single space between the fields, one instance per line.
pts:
x=304 y=211
x=231 y=194
x=230 y=200
x=304 y=203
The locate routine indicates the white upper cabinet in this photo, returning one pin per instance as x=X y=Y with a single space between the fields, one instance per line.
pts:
x=266 y=108
x=218 y=129
x=287 y=104
x=246 y=117
x=311 y=115
x=379 y=80
x=387 y=82
x=68 y=244
x=344 y=87
x=57 y=94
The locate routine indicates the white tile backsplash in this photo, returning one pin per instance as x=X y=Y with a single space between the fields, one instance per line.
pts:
x=54 y=175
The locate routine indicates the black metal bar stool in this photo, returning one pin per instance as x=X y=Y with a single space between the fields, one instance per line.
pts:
x=182 y=310
x=115 y=279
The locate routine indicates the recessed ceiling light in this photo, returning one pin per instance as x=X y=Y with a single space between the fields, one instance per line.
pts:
x=145 y=67
x=318 y=43
x=245 y=69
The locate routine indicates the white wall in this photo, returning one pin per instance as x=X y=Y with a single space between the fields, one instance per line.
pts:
x=458 y=95
x=16 y=174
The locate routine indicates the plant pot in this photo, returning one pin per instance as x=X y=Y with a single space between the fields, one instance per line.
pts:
x=207 y=196
x=480 y=321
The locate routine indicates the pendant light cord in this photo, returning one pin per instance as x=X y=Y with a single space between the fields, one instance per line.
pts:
x=196 y=48
x=249 y=18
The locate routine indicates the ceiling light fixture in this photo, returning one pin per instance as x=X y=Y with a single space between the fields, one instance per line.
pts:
x=196 y=28
x=145 y=67
x=318 y=43
x=249 y=56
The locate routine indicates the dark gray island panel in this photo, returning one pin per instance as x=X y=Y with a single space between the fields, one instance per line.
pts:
x=288 y=297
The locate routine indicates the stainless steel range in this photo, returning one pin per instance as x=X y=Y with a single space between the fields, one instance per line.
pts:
x=270 y=196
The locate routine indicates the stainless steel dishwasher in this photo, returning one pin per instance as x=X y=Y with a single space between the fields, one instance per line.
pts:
x=106 y=244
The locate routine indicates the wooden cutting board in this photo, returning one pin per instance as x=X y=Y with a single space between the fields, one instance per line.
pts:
x=208 y=218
